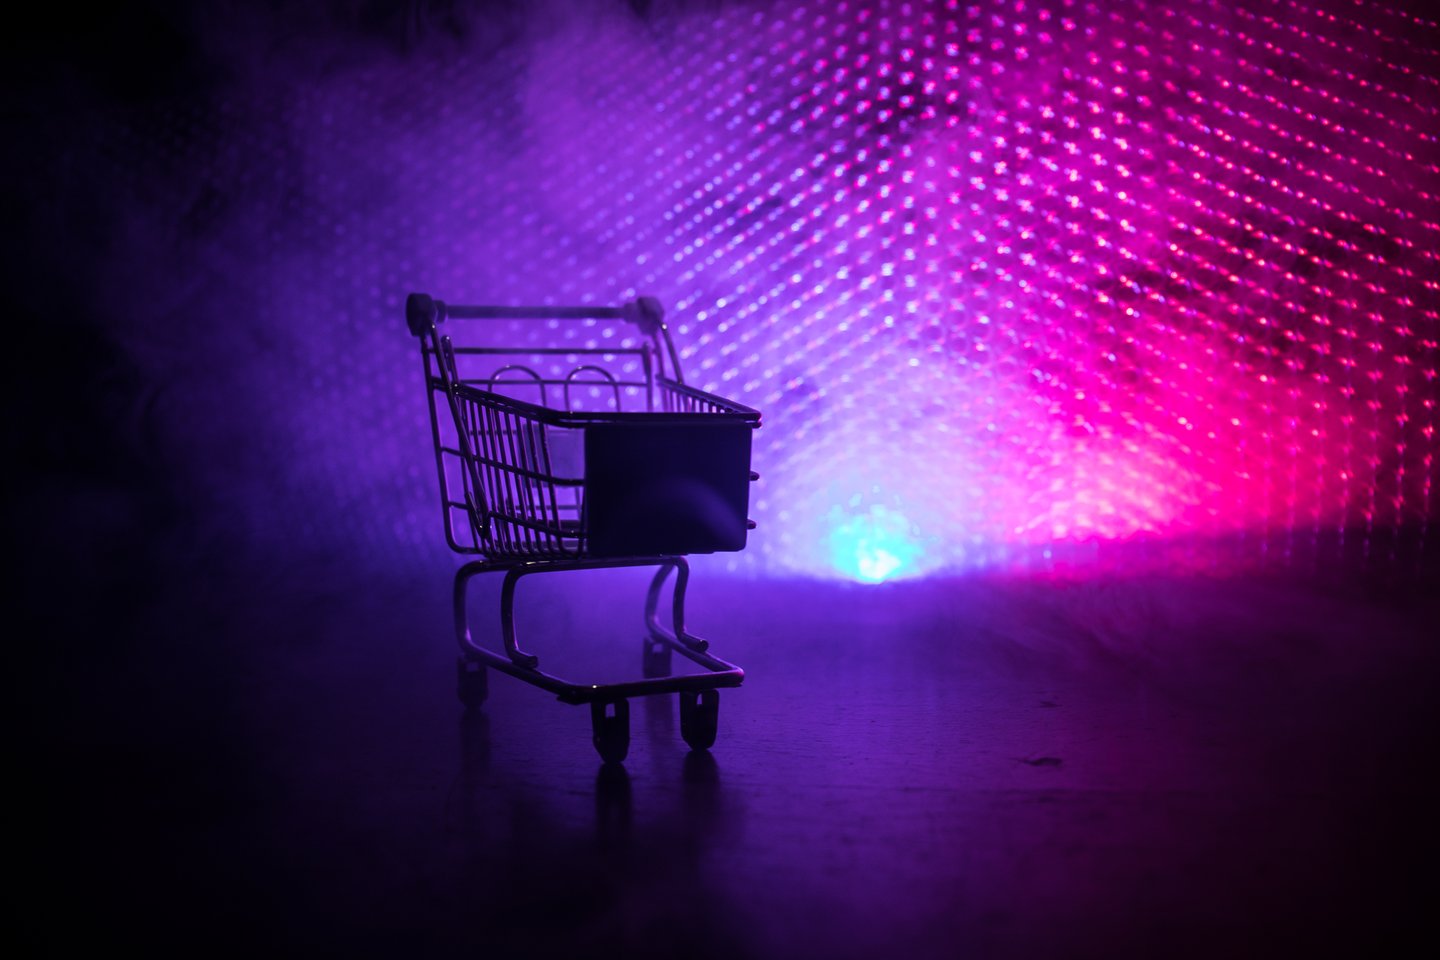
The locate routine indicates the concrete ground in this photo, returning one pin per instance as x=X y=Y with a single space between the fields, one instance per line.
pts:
x=1190 y=765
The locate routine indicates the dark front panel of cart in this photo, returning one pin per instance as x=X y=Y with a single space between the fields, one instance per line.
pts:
x=666 y=488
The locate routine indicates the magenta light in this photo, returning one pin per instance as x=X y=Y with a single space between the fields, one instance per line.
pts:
x=1004 y=276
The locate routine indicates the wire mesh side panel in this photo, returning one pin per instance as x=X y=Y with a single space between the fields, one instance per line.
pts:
x=502 y=490
x=519 y=506
x=678 y=398
x=461 y=508
x=574 y=379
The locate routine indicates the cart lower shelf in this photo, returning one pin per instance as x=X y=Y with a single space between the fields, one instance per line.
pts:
x=609 y=703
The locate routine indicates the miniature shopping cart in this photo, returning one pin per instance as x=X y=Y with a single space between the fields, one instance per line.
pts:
x=579 y=446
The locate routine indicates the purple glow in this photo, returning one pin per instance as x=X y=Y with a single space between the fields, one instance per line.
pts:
x=1001 y=275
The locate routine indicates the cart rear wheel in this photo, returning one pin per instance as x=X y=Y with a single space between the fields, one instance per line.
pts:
x=472 y=684
x=611 y=729
x=655 y=660
x=699 y=717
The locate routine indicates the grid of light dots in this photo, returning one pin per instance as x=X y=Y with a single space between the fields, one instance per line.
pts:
x=1018 y=273
x=1001 y=275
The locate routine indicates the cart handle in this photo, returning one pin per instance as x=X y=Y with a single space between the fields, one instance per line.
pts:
x=423 y=313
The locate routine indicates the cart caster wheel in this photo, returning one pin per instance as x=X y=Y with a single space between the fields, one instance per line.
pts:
x=655 y=661
x=472 y=683
x=612 y=731
x=699 y=717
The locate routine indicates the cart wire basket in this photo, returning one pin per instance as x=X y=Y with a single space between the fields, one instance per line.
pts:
x=574 y=453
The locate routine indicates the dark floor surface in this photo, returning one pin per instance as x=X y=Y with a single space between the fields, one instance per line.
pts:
x=1193 y=766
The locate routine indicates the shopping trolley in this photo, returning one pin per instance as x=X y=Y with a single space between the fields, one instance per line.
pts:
x=583 y=449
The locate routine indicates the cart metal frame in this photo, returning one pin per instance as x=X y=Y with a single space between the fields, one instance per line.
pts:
x=511 y=495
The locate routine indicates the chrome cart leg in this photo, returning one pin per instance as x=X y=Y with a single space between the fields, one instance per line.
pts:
x=699 y=717
x=652 y=604
x=652 y=600
x=468 y=646
x=507 y=621
x=472 y=684
x=611 y=725
x=462 y=619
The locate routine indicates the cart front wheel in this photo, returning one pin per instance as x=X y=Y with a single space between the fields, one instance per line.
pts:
x=699 y=717
x=472 y=684
x=611 y=725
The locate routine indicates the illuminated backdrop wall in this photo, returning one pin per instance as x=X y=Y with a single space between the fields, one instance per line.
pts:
x=1002 y=276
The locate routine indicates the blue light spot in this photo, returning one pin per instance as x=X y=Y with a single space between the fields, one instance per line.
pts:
x=874 y=546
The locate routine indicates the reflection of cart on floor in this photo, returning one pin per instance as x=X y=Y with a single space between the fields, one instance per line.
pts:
x=583 y=452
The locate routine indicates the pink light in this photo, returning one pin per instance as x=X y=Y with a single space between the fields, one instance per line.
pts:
x=1021 y=274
